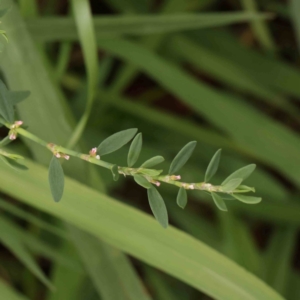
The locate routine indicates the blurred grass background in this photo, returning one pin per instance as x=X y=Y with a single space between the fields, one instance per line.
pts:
x=230 y=82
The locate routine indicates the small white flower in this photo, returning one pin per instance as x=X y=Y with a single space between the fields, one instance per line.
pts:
x=67 y=157
x=191 y=186
x=57 y=155
x=12 y=136
x=97 y=156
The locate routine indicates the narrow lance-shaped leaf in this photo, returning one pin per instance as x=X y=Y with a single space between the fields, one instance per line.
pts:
x=219 y=202
x=150 y=172
x=152 y=162
x=181 y=198
x=142 y=181
x=213 y=166
x=242 y=173
x=232 y=185
x=158 y=206
x=56 y=179
x=6 y=108
x=135 y=150
x=115 y=172
x=182 y=157
x=116 y=141
x=247 y=199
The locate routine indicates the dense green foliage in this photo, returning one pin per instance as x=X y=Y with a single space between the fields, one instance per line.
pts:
x=222 y=73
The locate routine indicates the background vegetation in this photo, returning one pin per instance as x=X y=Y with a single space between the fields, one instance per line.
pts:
x=223 y=73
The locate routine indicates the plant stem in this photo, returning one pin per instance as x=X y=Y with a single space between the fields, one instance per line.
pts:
x=203 y=186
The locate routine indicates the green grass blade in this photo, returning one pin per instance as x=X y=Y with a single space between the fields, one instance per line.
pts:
x=97 y=257
x=63 y=28
x=170 y=250
x=83 y=18
x=11 y=240
x=294 y=10
x=7 y=292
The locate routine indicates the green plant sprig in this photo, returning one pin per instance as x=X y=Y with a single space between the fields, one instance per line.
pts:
x=147 y=177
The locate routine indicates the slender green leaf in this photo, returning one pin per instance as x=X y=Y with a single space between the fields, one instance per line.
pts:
x=118 y=278
x=247 y=199
x=231 y=185
x=142 y=181
x=6 y=107
x=11 y=240
x=135 y=150
x=5 y=142
x=56 y=179
x=182 y=198
x=219 y=202
x=294 y=10
x=152 y=162
x=116 y=141
x=158 y=206
x=9 y=293
x=115 y=172
x=242 y=173
x=213 y=166
x=57 y=29
x=182 y=157
x=83 y=18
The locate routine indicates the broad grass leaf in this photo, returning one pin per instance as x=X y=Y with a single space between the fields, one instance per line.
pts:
x=56 y=179
x=116 y=141
x=182 y=157
x=158 y=206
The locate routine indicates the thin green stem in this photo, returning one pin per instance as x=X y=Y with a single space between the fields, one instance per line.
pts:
x=151 y=175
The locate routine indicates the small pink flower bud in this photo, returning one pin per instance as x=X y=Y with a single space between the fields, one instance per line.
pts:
x=97 y=156
x=12 y=136
x=93 y=151
x=67 y=157
x=175 y=177
x=57 y=155
x=19 y=123
x=157 y=183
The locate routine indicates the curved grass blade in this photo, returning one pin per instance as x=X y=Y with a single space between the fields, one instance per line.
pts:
x=56 y=179
x=182 y=157
x=142 y=181
x=219 y=202
x=247 y=199
x=116 y=141
x=232 y=185
x=182 y=198
x=84 y=21
x=158 y=206
x=12 y=241
x=152 y=162
x=213 y=166
x=242 y=173
x=172 y=250
x=135 y=150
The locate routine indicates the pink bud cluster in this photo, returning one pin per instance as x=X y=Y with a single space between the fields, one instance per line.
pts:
x=65 y=156
x=93 y=153
x=13 y=133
